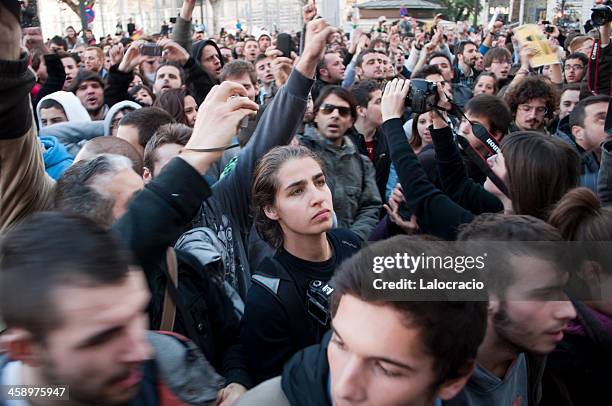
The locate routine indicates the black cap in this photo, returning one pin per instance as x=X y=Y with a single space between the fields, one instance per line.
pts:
x=83 y=76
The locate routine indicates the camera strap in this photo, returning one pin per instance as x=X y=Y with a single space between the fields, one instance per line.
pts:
x=486 y=139
x=592 y=74
x=293 y=302
x=482 y=164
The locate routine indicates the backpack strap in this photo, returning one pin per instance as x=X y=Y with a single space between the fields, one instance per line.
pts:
x=169 y=309
x=179 y=303
x=284 y=289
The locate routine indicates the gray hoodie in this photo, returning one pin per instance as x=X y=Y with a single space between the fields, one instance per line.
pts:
x=108 y=119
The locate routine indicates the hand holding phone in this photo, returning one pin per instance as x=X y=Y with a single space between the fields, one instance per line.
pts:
x=151 y=50
x=284 y=43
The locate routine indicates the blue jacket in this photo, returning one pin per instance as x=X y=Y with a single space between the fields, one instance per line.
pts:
x=56 y=156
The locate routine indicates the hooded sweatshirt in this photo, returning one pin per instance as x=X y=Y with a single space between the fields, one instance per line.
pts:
x=108 y=119
x=56 y=156
x=71 y=104
x=198 y=48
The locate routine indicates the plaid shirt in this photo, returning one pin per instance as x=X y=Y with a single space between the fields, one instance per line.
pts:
x=468 y=81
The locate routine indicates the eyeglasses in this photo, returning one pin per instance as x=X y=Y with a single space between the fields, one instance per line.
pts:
x=527 y=108
x=573 y=67
x=327 y=109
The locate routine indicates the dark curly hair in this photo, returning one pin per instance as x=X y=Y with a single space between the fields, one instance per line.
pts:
x=533 y=87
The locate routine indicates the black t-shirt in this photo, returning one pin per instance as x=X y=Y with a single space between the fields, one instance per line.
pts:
x=343 y=243
x=267 y=328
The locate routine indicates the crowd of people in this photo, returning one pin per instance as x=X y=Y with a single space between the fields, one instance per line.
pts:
x=193 y=220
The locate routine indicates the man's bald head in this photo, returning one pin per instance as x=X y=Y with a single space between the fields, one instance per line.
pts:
x=111 y=145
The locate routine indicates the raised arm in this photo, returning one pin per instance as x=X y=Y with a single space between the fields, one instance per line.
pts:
x=454 y=177
x=278 y=125
x=182 y=29
x=24 y=186
x=173 y=198
x=121 y=75
x=436 y=213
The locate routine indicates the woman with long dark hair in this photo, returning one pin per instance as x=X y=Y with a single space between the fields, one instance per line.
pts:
x=179 y=104
x=286 y=307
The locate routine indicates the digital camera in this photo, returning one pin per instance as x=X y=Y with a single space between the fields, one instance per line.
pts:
x=318 y=294
x=602 y=14
x=422 y=96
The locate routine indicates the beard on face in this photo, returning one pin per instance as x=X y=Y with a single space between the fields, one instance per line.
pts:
x=82 y=391
x=504 y=326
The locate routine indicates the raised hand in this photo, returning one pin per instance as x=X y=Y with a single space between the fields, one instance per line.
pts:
x=33 y=39
x=309 y=12
x=526 y=54
x=318 y=33
x=363 y=43
x=357 y=33
x=131 y=57
x=187 y=9
x=393 y=99
x=173 y=51
x=392 y=208
x=281 y=66
x=497 y=26
x=219 y=116
x=116 y=53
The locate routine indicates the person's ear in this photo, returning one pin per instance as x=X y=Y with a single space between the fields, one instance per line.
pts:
x=147 y=174
x=451 y=388
x=591 y=274
x=21 y=346
x=358 y=71
x=361 y=111
x=323 y=72
x=493 y=306
x=271 y=212
x=578 y=133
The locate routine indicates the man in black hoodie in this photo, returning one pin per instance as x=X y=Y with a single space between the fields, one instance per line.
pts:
x=209 y=56
x=411 y=353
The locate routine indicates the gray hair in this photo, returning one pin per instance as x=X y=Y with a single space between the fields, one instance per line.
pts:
x=82 y=188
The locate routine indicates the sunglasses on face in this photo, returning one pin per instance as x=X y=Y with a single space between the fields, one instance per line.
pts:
x=327 y=109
